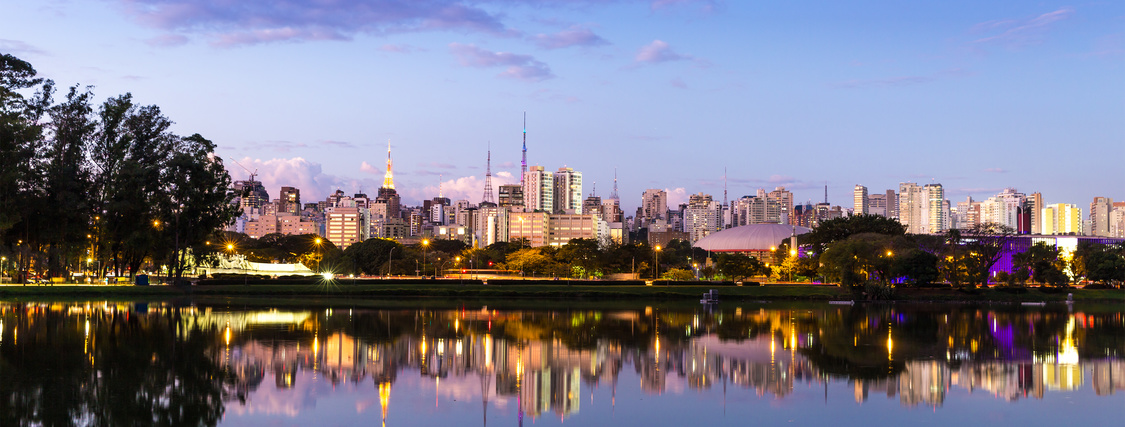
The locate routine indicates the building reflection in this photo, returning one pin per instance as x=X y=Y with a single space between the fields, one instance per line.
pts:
x=544 y=360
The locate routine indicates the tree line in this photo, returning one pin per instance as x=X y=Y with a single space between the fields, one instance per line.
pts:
x=100 y=188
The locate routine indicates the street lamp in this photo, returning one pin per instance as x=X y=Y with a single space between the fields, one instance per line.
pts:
x=3 y=271
x=318 y=253
x=425 y=245
x=656 y=266
x=392 y=251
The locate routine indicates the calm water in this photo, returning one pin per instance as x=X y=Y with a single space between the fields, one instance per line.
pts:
x=199 y=363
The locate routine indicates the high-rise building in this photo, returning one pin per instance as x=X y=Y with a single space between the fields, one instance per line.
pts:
x=784 y=200
x=532 y=226
x=511 y=196
x=877 y=205
x=252 y=196
x=1005 y=209
x=1117 y=220
x=1035 y=208
x=568 y=191
x=892 y=204
x=911 y=202
x=654 y=204
x=859 y=199
x=1061 y=218
x=346 y=225
x=290 y=200
x=1100 y=210
x=539 y=190
x=936 y=209
x=593 y=206
x=701 y=216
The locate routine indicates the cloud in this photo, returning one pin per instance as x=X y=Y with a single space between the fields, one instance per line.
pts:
x=902 y=80
x=340 y=144
x=1020 y=32
x=507 y=165
x=523 y=67
x=297 y=172
x=469 y=188
x=400 y=48
x=167 y=40
x=995 y=170
x=573 y=36
x=367 y=168
x=676 y=196
x=656 y=52
x=228 y=23
x=678 y=82
x=18 y=47
x=707 y=5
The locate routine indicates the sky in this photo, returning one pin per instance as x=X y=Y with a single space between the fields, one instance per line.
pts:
x=670 y=94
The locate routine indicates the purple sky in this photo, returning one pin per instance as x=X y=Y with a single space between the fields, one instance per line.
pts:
x=976 y=96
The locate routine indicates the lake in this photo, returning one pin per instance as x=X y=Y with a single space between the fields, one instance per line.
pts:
x=255 y=362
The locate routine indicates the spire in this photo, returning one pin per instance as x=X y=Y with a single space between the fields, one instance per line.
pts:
x=614 y=194
x=488 y=198
x=724 y=186
x=439 y=185
x=523 y=164
x=389 y=178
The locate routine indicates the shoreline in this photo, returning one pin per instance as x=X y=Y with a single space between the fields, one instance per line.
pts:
x=560 y=291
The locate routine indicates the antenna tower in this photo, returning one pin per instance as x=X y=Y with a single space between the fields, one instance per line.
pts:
x=523 y=164
x=614 y=194
x=724 y=186
x=826 y=192
x=488 y=198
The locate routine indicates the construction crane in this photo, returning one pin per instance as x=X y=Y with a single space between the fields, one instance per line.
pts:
x=252 y=174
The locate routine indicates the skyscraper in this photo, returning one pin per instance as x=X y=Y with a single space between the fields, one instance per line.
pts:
x=654 y=204
x=568 y=190
x=538 y=190
x=911 y=201
x=701 y=216
x=1035 y=208
x=1100 y=210
x=291 y=200
x=936 y=209
x=859 y=200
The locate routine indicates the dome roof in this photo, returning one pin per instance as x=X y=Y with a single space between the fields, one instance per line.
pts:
x=754 y=237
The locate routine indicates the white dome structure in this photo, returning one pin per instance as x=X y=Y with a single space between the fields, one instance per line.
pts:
x=749 y=238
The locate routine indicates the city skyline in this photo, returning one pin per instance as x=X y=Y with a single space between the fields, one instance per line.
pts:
x=667 y=94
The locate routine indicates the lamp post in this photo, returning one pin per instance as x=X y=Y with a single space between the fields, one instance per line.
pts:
x=792 y=253
x=318 y=254
x=425 y=244
x=656 y=265
x=3 y=271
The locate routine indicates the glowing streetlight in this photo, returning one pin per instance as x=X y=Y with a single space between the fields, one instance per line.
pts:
x=425 y=244
x=656 y=265
x=318 y=255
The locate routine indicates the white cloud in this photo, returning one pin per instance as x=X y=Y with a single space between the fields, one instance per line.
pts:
x=676 y=196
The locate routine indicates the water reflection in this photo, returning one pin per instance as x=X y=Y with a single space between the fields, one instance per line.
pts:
x=129 y=364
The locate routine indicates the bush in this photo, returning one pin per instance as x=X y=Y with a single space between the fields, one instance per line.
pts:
x=878 y=291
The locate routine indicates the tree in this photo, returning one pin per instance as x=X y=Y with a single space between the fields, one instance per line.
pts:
x=1044 y=264
x=1105 y=265
x=970 y=254
x=583 y=254
x=738 y=267
x=196 y=200
x=21 y=143
x=370 y=256
x=838 y=229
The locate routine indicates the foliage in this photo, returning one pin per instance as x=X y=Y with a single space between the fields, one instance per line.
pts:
x=969 y=255
x=738 y=267
x=678 y=274
x=838 y=229
x=1044 y=264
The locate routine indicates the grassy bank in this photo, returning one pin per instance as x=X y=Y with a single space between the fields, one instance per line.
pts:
x=542 y=291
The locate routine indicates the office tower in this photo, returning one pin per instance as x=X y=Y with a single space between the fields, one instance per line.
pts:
x=654 y=204
x=1117 y=220
x=539 y=190
x=784 y=200
x=877 y=204
x=511 y=196
x=1005 y=209
x=1035 y=207
x=701 y=216
x=892 y=204
x=345 y=226
x=290 y=200
x=911 y=201
x=593 y=206
x=1061 y=218
x=859 y=200
x=1100 y=210
x=251 y=196
x=936 y=209
x=568 y=190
